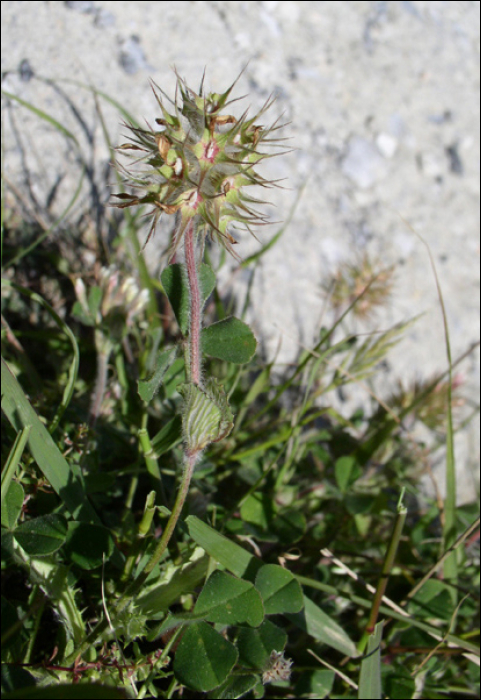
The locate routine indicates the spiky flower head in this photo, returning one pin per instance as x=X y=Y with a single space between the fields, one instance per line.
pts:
x=198 y=163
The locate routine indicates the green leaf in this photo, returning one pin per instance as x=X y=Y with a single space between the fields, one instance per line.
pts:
x=87 y=544
x=289 y=526
x=41 y=536
x=227 y=553
x=370 y=676
x=14 y=638
x=148 y=387
x=347 y=471
x=14 y=677
x=79 y=313
x=98 y=482
x=316 y=684
x=171 y=622
x=8 y=547
x=204 y=658
x=10 y=467
x=398 y=685
x=65 y=478
x=258 y=509
x=175 y=285
x=176 y=580
x=235 y=687
x=359 y=503
x=323 y=628
x=174 y=281
x=168 y=437
x=207 y=282
x=94 y=301
x=230 y=601
x=279 y=589
x=432 y=601
x=53 y=578
x=89 y=316
x=173 y=377
x=231 y=340
x=12 y=507
x=75 y=361
x=255 y=645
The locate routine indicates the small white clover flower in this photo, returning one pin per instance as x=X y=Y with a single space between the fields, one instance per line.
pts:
x=112 y=304
x=122 y=296
x=278 y=668
x=81 y=294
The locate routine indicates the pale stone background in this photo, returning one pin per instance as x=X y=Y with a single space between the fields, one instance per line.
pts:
x=383 y=100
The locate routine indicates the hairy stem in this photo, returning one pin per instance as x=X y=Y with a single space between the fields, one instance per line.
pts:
x=195 y=304
x=190 y=457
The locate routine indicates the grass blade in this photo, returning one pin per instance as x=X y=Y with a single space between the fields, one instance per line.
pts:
x=13 y=459
x=389 y=612
x=43 y=115
x=45 y=234
x=449 y=525
x=323 y=628
x=74 y=366
x=370 y=678
x=66 y=480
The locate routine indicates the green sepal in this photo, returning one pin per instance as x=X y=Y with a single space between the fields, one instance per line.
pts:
x=206 y=416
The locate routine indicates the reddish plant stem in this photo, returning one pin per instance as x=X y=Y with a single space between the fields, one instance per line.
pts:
x=195 y=304
x=190 y=458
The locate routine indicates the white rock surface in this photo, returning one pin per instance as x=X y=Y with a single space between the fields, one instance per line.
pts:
x=383 y=99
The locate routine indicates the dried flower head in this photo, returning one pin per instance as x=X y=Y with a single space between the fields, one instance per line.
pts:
x=364 y=277
x=430 y=405
x=198 y=163
x=278 y=668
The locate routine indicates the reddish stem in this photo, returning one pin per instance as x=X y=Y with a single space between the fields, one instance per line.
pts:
x=195 y=304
